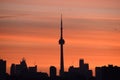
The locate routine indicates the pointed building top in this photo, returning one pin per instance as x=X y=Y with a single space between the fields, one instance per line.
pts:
x=61 y=27
x=61 y=42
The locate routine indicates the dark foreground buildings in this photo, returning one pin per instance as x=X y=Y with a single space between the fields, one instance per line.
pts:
x=78 y=73
x=3 y=74
x=17 y=69
x=82 y=72
x=22 y=72
x=2 y=66
x=109 y=72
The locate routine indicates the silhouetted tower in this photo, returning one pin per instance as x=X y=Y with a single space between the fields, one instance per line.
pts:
x=2 y=66
x=61 y=42
x=23 y=65
x=81 y=64
x=13 y=69
x=52 y=71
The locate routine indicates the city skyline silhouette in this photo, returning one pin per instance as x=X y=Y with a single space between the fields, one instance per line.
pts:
x=28 y=28
x=21 y=71
x=31 y=30
x=61 y=53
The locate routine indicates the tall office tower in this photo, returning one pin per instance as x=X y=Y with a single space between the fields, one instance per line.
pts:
x=2 y=66
x=61 y=43
x=81 y=63
x=23 y=65
x=53 y=72
x=13 y=69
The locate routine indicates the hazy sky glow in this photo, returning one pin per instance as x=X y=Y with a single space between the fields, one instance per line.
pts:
x=30 y=29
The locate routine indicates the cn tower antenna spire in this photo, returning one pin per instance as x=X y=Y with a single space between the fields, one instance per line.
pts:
x=61 y=43
x=61 y=27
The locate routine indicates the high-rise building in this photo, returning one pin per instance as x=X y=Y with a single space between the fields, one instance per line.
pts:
x=61 y=43
x=83 y=70
x=33 y=69
x=12 y=69
x=81 y=64
x=109 y=72
x=53 y=72
x=17 y=69
x=23 y=65
x=2 y=66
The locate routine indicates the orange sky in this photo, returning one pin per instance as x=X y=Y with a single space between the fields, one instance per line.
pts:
x=30 y=29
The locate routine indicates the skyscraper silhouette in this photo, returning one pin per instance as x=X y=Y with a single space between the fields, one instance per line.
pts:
x=61 y=42
x=53 y=71
x=2 y=66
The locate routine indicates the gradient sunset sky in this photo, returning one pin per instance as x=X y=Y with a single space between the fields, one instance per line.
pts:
x=30 y=29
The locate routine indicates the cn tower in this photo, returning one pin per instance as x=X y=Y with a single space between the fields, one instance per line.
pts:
x=61 y=43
